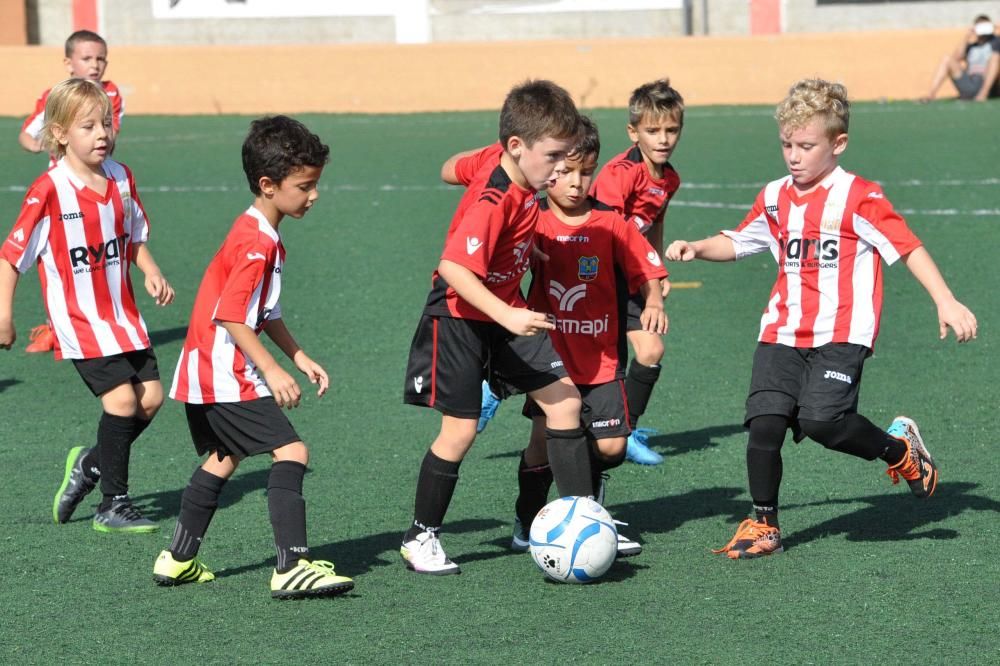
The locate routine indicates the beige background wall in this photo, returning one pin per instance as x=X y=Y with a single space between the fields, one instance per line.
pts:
x=437 y=77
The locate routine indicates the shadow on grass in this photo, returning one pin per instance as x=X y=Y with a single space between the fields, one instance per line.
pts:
x=167 y=504
x=897 y=516
x=362 y=555
x=167 y=335
x=666 y=514
x=669 y=444
x=7 y=383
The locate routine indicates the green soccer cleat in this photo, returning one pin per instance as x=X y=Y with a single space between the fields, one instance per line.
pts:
x=309 y=579
x=123 y=517
x=75 y=486
x=168 y=571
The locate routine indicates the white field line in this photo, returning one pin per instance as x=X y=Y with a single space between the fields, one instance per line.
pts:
x=679 y=202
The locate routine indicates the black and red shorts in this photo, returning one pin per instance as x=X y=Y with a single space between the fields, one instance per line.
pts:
x=604 y=413
x=450 y=358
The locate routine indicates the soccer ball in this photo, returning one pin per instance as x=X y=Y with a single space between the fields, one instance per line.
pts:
x=573 y=540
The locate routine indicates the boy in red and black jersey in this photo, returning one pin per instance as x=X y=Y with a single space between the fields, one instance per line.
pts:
x=639 y=184
x=476 y=324
x=595 y=259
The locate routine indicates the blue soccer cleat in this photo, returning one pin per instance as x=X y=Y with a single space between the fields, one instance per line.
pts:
x=488 y=408
x=638 y=450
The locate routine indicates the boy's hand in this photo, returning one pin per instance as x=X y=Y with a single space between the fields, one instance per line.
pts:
x=654 y=319
x=959 y=318
x=314 y=371
x=283 y=387
x=664 y=288
x=158 y=287
x=7 y=334
x=680 y=250
x=521 y=321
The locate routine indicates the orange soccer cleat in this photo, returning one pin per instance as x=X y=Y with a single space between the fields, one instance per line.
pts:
x=753 y=539
x=42 y=339
x=917 y=466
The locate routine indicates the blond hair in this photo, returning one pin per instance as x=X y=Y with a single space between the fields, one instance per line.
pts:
x=810 y=98
x=655 y=99
x=66 y=102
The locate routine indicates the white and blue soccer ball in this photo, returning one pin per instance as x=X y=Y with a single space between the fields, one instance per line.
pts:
x=573 y=540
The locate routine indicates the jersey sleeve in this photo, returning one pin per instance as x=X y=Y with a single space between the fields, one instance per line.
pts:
x=475 y=238
x=877 y=223
x=467 y=167
x=137 y=213
x=117 y=107
x=33 y=123
x=638 y=260
x=30 y=235
x=757 y=232
x=611 y=185
x=246 y=277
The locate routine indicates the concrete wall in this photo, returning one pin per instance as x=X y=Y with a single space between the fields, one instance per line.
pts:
x=437 y=77
x=131 y=22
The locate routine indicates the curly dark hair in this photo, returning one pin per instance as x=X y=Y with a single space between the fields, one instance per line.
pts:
x=278 y=145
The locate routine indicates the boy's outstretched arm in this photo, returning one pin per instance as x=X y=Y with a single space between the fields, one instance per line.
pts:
x=156 y=284
x=29 y=143
x=713 y=248
x=283 y=387
x=281 y=336
x=950 y=312
x=8 y=283
x=654 y=317
x=448 y=174
x=519 y=321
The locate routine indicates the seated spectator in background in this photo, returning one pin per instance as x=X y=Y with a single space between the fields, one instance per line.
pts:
x=973 y=66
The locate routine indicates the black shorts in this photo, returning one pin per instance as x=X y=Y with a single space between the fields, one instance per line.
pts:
x=105 y=373
x=450 y=358
x=816 y=383
x=969 y=85
x=604 y=413
x=239 y=429
x=636 y=304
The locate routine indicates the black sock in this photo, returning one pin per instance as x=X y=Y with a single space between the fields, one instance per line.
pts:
x=533 y=483
x=91 y=463
x=857 y=436
x=198 y=505
x=639 y=383
x=114 y=438
x=764 y=466
x=140 y=426
x=287 y=508
x=435 y=486
x=569 y=458
x=599 y=467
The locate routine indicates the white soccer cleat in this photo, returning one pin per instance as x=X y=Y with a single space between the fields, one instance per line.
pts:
x=426 y=555
x=626 y=547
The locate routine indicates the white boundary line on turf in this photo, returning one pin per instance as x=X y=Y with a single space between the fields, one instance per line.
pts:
x=676 y=203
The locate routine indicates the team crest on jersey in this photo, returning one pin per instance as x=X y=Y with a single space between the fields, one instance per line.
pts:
x=587 y=268
x=833 y=214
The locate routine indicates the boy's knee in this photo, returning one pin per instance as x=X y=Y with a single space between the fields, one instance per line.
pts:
x=827 y=433
x=294 y=452
x=120 y=401
x=767 y=432
x=648 y=348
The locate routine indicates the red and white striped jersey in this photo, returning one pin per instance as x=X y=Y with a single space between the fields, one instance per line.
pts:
x=626 y=185
x=241 y=284
x=34 y=122
x=83 y=242
x=584 y=287
x=827 y=244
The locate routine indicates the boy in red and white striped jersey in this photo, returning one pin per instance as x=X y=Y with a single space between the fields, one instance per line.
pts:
x=86 y=57
x=232 y=387
x=84 y=225
x=828 y=230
